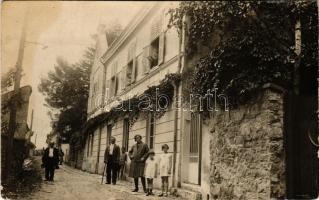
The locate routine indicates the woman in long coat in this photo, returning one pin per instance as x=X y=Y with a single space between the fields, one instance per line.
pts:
x=138 y=155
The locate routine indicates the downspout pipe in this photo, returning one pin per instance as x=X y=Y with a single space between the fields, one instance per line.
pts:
x=178 y=108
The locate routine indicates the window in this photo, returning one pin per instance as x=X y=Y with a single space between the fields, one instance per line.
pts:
x=153 y=54
x=151 y=131
x=126 y=129
x=153 y=57
x=131 y=62
x=129 y=73
x=114 y=85
x=109 y=133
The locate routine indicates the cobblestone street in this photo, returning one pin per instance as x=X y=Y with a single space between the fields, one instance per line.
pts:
x=78 y=185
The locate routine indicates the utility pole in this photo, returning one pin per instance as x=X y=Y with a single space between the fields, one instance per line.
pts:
x=14 y=102
x=31 y=123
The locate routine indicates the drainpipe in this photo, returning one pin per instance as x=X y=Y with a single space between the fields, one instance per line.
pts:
x=98 y=152
x=175 y=133
x=178 y=107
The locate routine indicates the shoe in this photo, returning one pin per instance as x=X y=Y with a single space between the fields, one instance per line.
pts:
x=135 y=190
x=107 y=183
x=114 y=183
x=160 y=195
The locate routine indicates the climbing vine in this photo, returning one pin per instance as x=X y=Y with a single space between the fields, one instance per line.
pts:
x=141 y=105
x=248 y=44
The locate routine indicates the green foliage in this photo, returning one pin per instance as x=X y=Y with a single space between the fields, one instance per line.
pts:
x=255 y=44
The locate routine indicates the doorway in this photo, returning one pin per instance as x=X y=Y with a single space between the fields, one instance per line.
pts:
x=192 y=149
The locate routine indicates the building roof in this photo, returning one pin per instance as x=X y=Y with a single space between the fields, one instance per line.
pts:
x=132 y=25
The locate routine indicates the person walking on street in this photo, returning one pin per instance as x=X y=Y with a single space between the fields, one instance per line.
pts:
x=112 y=159
x=123 y=160
x=61 y=155
x=138 y=155
x=50 y=160
x=150 y=171
x=165 y=167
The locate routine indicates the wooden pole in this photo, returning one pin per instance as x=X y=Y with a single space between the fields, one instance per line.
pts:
x=14 y=102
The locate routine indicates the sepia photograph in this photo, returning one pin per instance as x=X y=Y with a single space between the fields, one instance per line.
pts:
x=151 y=100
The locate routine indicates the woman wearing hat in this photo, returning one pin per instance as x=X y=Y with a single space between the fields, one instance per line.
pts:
x=138 y=156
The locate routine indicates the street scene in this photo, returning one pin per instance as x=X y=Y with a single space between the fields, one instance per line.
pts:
x=184 y=100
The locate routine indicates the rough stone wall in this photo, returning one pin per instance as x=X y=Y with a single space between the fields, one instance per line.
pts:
x=246 y=150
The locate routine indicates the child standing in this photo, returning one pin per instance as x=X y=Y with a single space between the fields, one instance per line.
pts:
x=123 y=159
x=150 y=171
x=165 y=166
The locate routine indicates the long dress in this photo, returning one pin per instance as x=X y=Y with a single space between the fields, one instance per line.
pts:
x=165 y=164
x=138 y=154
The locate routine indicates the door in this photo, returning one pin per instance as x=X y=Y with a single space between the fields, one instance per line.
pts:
x=193 y=150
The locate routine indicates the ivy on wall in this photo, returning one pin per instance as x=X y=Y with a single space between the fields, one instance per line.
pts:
x=256 y=44
x=140 y=106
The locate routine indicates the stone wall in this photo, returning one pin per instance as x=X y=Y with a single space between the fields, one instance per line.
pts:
x=246 y=150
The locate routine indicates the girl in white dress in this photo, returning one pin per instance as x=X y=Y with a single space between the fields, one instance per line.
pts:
x=150 y=172
x=165 y=166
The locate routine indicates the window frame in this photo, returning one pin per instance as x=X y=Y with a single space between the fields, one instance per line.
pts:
x=151 y=130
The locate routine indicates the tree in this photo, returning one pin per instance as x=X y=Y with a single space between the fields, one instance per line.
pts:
x=66 y=90
x=7 y=79
x=256 y=44
x=113 y=32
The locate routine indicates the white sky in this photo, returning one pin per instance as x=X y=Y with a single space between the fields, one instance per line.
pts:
x=66 y=28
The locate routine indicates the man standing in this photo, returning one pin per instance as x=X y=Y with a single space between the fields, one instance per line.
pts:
x=50 y=160
x=138 y=156
x=112 y=159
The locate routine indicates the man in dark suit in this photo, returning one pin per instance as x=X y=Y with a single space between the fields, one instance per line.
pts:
x=138 y=155
x=50 y=161
x=112 y=159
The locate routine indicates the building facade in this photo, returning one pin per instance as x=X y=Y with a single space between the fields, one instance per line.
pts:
x=141 y=57
x=242 y=154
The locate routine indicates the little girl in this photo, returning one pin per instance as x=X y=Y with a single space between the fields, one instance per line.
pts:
x=150 y=172
x=165 y=166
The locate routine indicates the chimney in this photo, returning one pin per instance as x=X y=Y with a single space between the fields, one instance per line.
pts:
x=101 y=41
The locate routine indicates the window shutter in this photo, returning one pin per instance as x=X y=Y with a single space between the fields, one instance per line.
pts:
x=133 y=75
x=107 y=91
x=161 y=50
x=157 y=27
x=145 y=60
x=116 y=85
x=128 y=75
x=122 y=79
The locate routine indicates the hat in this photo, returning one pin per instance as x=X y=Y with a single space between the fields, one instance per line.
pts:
x=165 y=145
x=137 y=136
x=151 y=151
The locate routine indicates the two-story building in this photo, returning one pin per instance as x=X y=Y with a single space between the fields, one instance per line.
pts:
x=141 y=57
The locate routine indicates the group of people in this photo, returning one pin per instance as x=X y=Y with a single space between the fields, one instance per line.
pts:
x=144 y=165
x=51 y=159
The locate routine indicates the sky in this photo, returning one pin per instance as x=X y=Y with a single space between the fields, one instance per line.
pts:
x=54 y=29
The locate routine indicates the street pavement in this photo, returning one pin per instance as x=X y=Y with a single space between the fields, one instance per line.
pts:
x=73 y=184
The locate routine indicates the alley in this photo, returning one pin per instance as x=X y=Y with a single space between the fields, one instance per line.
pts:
x=78 y=185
